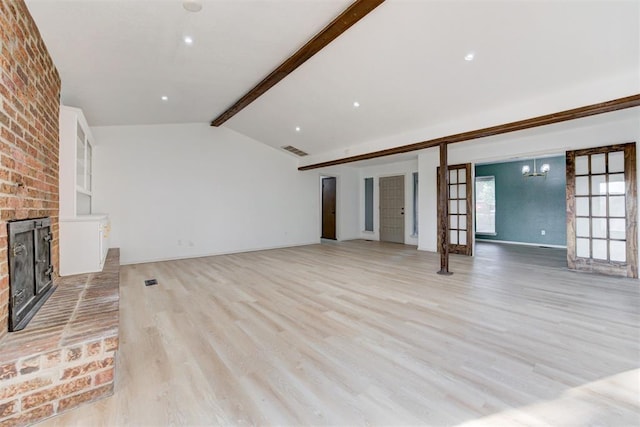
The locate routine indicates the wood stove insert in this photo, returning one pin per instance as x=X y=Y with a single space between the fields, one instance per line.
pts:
x=30 y=269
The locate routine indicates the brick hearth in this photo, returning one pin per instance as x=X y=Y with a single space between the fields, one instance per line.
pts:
x=66 y=355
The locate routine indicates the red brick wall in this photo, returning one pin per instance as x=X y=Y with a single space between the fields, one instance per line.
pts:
x=29 y=106
x=37 y=387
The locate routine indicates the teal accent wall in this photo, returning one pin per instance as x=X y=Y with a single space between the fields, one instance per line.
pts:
x=525 y=206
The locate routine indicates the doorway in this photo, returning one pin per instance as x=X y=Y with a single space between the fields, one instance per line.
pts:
x=392 y=209
x=329 y=208
x=520 y=215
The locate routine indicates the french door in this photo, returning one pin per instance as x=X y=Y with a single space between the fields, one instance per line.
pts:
x=459 y=197
x=602 y=210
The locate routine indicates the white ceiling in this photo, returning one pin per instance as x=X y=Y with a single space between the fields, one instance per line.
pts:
x=404 y=62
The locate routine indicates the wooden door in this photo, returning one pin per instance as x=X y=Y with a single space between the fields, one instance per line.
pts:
x=392 y=209
x=459 y=198
x=329 y=208
x=602 y=210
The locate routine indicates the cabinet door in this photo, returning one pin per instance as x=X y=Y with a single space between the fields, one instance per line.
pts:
x=80 y=250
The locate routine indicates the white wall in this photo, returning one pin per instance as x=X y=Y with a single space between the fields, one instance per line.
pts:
x=175 y=191
x=406 y=168
x=428 y=162
x=606 y=129
x=347 y=205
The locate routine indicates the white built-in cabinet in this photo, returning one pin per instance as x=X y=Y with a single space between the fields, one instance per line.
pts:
x=84 y=235
x=76 y=159
x=84 y=242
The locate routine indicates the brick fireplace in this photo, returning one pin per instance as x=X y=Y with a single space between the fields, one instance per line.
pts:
x=29 y=107
x=67 y=354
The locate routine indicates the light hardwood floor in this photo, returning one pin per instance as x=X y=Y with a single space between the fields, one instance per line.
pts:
x=365 y=333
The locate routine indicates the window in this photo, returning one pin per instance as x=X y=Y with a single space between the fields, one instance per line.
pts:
x=368 y=204
x=415 y=204
x=485 y=205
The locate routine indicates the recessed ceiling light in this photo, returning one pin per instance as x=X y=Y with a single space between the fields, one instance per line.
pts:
x=469 y=56
x=356 y=104
x=165 y=98
x=298 y=129
x=192 y=5
x=188 y=40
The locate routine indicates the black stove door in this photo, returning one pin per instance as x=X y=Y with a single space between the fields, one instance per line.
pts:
x=44 y=269
x=21 y=271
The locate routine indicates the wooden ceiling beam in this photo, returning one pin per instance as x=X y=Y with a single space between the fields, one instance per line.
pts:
x=358 y=10
x=548 y=119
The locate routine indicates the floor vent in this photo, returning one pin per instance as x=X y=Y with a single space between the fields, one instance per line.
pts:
x=294 y=150
x=150 y=282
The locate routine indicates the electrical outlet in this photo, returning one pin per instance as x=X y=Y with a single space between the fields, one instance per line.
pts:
x=543 y=232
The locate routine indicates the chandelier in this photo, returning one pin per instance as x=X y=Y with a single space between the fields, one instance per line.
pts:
x=544 y=169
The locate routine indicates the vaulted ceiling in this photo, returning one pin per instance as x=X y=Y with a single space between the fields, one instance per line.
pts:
x=404 y=63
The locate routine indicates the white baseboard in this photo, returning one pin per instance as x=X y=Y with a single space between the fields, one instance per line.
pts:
x=507 y=242
x=239 y=251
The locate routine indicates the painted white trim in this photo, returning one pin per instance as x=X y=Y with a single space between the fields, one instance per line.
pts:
x=507 y=242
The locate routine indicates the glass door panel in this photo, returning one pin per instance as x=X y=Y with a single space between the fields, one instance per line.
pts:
x=459 y=205
x=601 y=200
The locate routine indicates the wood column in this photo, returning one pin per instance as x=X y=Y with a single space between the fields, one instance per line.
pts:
x=443 y=210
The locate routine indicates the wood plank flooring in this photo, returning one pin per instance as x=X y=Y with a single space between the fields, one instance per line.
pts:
x=365 y=333
x=539 y=256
